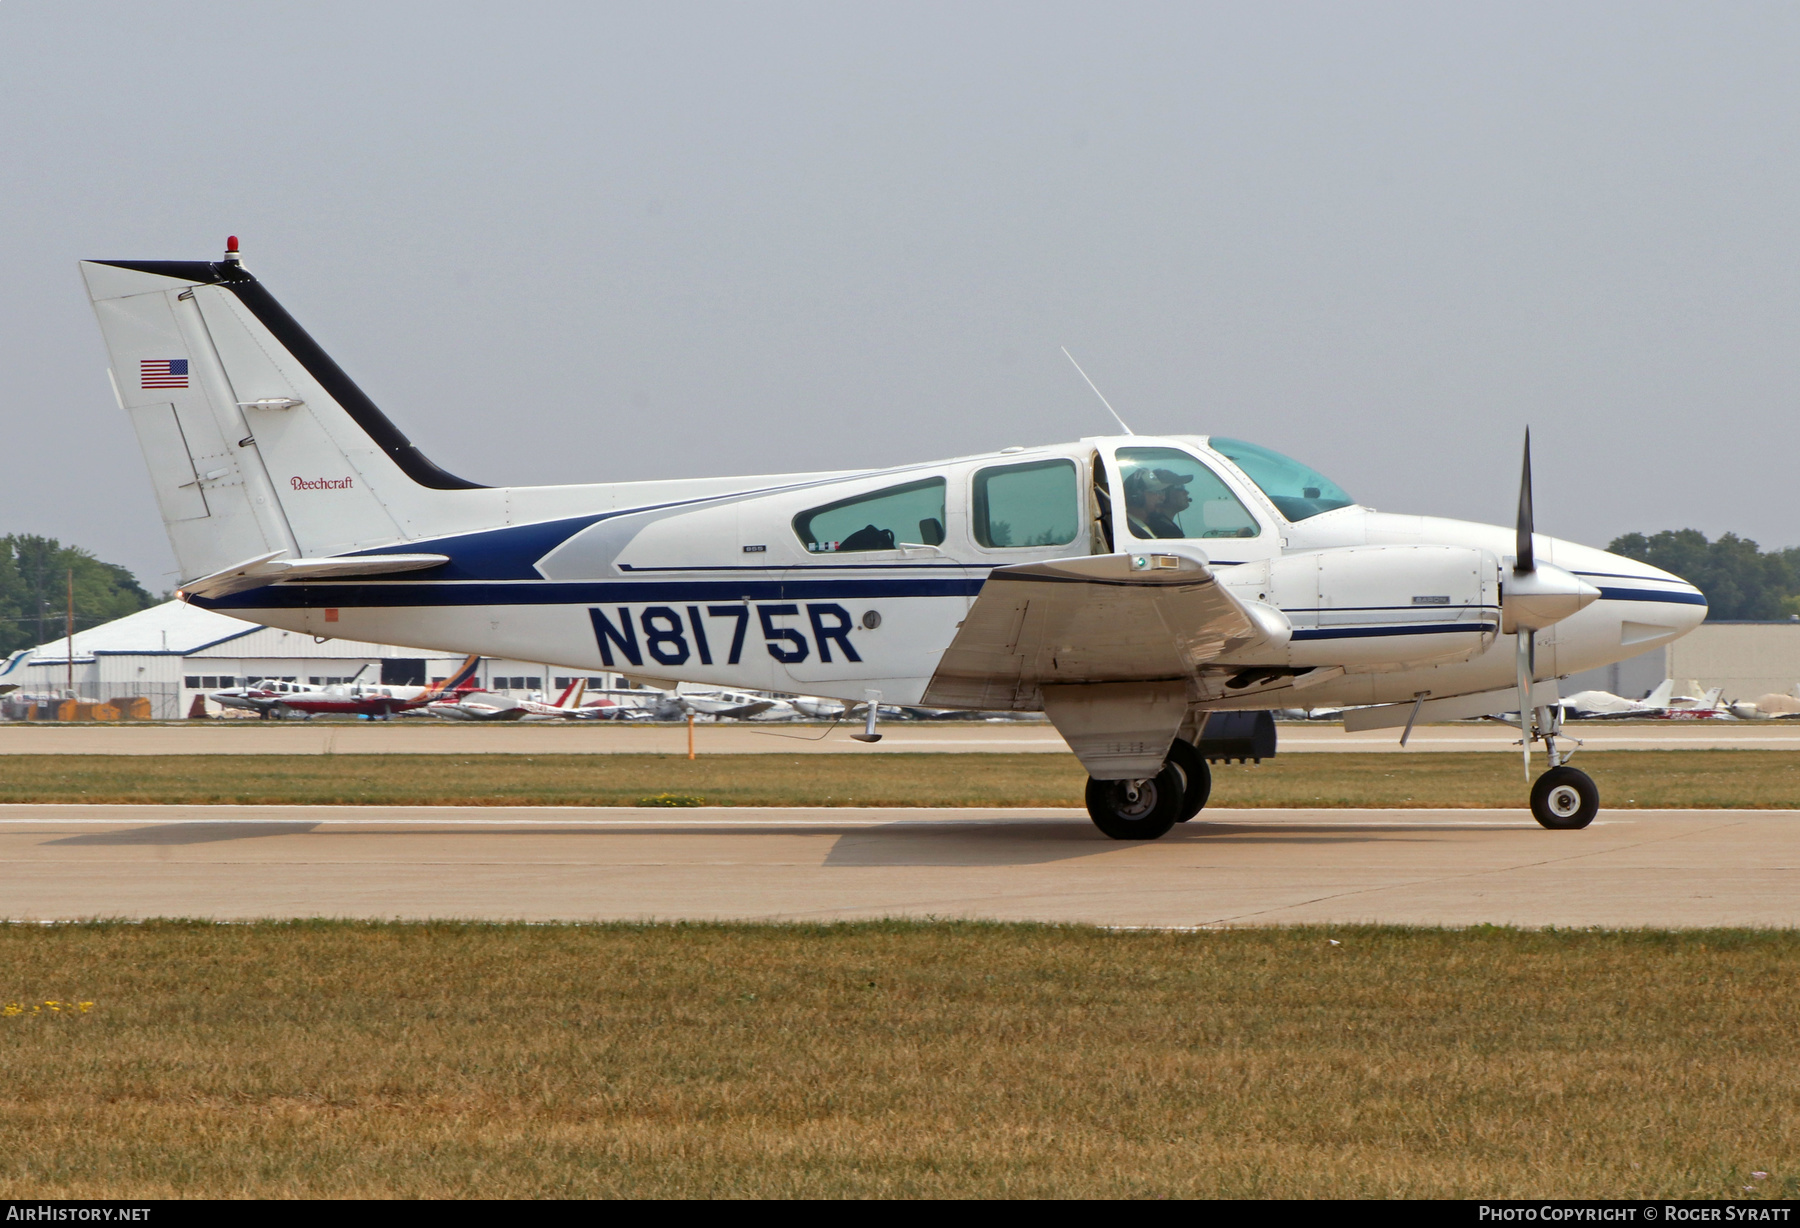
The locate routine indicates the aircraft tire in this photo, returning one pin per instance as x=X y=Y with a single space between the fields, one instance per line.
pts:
x=1196 y=777
x=1144 y=812
x=1565 y=799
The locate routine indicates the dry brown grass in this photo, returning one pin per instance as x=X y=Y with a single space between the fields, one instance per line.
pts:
x=889 y=1059
x=1678 y=779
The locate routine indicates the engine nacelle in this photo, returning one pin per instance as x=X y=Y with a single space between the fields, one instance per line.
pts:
x=1377 y=607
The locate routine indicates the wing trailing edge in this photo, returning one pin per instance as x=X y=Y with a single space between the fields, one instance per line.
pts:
x=1146 y=617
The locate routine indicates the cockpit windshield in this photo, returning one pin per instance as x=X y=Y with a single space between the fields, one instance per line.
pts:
x=1296 y=491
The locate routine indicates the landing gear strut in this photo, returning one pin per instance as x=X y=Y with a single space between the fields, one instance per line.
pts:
x=1563 y=798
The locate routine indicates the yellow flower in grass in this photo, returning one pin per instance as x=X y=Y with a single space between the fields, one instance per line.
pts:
x=52 y=1004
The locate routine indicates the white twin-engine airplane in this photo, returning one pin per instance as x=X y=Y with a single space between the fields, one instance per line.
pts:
x=1128 y=586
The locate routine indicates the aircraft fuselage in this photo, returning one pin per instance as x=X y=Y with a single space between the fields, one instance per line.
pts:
x=767 y=586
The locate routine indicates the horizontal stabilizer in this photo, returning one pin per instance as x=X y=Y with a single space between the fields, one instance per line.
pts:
x=270 y=569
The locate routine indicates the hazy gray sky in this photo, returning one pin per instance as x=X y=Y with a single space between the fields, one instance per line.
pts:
x=562 y=243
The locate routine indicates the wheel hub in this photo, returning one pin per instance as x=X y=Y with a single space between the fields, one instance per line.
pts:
x=1564 y=801
x=1139 y=800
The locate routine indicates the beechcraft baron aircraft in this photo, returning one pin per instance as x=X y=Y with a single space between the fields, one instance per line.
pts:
x=1128 y=586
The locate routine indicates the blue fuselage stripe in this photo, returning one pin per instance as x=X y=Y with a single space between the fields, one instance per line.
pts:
x=1652 y=594
x=1357 y=633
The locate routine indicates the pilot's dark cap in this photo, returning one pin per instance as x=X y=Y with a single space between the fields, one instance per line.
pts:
x=1151 y=480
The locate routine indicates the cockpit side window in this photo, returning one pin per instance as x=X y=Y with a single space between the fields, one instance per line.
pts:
x=1171 y=494
x=1033 y=504
x=1296 y=491
x=909 y=515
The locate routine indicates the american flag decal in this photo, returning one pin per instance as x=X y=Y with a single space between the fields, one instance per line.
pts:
x=163 y=373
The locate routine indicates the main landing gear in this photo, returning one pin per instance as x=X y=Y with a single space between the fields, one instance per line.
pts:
x=1147 y=809
x=1563 y=798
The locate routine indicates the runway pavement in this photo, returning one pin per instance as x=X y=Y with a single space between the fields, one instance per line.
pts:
x=1231 y=868
x=425 y=736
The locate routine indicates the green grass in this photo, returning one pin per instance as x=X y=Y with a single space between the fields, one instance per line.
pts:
x=1627 y=779
x=894 y=1059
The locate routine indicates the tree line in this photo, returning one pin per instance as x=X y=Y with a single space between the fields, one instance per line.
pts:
x=34 y=590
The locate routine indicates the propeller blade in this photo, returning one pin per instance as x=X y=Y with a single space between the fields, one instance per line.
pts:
x=1526 y=667
x=1527 y=561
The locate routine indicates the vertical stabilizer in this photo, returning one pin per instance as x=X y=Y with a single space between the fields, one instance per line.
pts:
x=258 y=444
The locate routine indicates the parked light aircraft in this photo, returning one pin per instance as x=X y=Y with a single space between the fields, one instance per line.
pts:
x=673 y=704
x=1128 y=586
x=1773 y=706
x=478 y=705
x=276 y=698
x=733 y=704
x=1660 y=704
x=264 y=696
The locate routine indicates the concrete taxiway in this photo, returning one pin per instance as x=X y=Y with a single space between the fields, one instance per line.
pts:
x=1232 y=867
x=423 y=736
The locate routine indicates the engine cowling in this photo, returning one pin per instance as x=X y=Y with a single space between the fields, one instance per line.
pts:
x=1376 y=607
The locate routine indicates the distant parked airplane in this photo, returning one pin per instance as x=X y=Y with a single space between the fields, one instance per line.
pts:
x=1660 y=704
x=278 y=699
x=486 y=706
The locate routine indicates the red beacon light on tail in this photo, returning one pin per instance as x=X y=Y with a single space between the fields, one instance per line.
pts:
x=231 y=249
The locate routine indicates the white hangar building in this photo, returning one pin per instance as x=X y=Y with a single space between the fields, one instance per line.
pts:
x=173 y=652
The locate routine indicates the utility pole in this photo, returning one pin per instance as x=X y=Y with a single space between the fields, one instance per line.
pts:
x=69 y=632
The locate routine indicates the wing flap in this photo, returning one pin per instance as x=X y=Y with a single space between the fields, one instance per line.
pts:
x=1098 y=618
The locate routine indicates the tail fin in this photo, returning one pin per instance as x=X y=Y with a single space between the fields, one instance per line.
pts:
x=571 y=696
x=461 y=682
x=1659 y=698
x=258 y=444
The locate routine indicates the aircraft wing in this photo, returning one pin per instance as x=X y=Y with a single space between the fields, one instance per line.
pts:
x=1099 y=618
x=746 y=710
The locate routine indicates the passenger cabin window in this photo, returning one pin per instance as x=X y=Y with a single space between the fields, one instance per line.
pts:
x=909 y=515
x=1170 y=494
x=1036 y=504
x=1296 y=491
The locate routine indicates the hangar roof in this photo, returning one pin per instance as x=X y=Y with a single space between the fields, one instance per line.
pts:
x=173 y=628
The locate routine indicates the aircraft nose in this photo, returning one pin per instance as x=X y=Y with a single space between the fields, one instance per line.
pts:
x=1658 y=599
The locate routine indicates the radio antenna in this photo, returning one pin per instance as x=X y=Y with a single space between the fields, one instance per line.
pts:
x=1097 y=392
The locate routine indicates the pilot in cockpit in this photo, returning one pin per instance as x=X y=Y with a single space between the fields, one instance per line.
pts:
x=1153 y=500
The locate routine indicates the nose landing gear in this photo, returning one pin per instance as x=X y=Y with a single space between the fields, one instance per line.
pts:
x=1563 y=798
